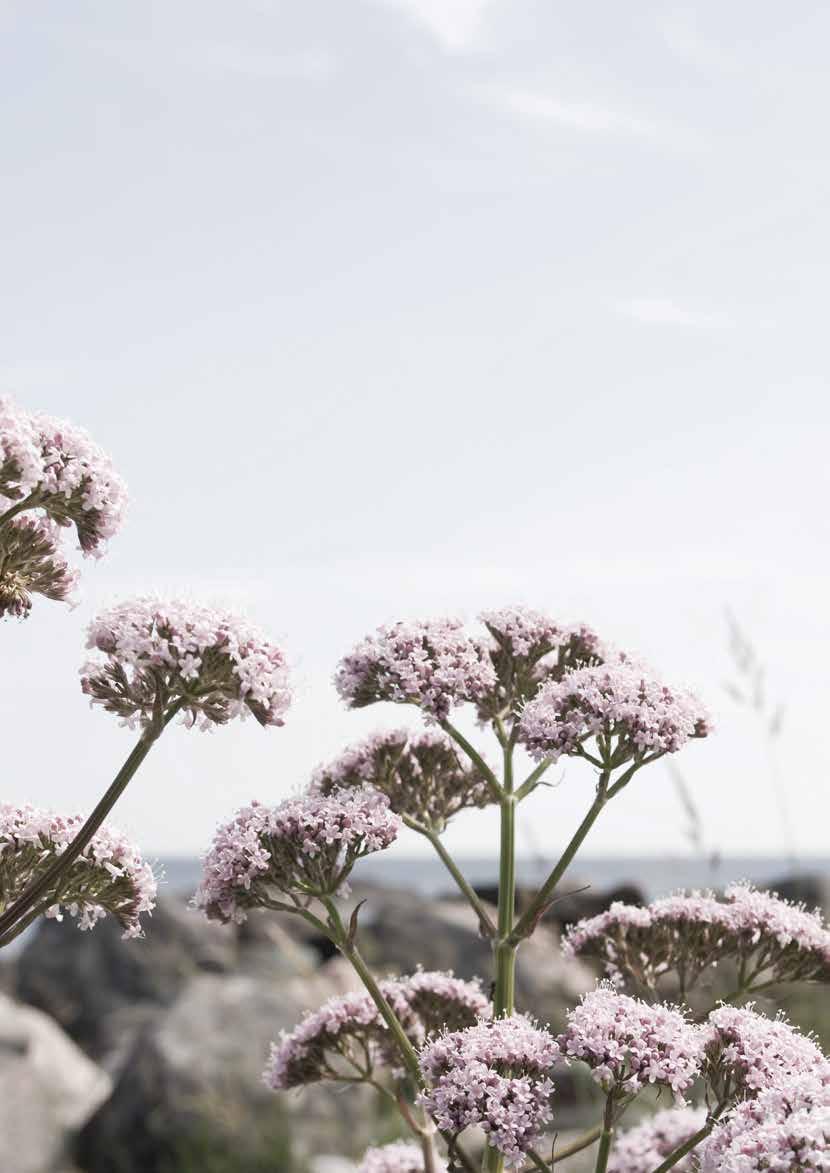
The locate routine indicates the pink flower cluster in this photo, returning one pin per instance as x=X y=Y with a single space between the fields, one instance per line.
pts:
x=108 y=877
x=432 y=664
x=785 y=1129
x=496 y=1074
x=420 y=773
x=643 y=1148
x=304 y=846
x=209 y=664
x=630 y=1044
x=618 y=701
x=687 y=932
x=55 y=469
x=399 y=1157
x=347 y=1034
x=746 y=1052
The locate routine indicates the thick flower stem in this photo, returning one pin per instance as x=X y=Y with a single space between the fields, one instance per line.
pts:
x=679 y=1153
x=48 y=881
x=606 y=1136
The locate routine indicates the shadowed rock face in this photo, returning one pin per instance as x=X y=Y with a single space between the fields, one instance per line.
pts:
x=48 y=1088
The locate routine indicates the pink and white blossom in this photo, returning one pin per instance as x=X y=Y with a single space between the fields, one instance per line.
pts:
x=399 y=1157
x=644 y=1147
x=746 y=1052
x=31 y=564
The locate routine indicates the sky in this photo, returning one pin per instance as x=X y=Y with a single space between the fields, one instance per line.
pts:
x=397 y=308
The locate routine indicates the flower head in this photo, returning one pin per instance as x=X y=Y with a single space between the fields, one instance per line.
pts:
x=432 y=664
x=644 y=1147
x=31 y=564
x=630 y=1044
x=304 y=846
x=496 y=1074
x=159 y=656
x=399 y=1157
x=638 y=717
x=746 y=1052
x=109 y=876
x=420 y=773
x=786 y=1128
x=348 y=1035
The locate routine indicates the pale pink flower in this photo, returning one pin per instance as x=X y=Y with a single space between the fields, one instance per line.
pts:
x=399 y=1157
x=644 y=1147
x=31 y=563
x=746 y=1052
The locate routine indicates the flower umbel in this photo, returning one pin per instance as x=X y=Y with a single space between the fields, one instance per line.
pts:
x=746 y=1052
x=304 y=847
x=644 y=1147
x=108 y=877
x=421 y=774
x=161 y=656
x=31 y=564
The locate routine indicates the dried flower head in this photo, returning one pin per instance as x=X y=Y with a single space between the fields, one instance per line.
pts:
x=633 y=715
x=630 y=1044
x=528 y=648
x=399 y=1157
x=31 y=564
x=496 y=1074
x=643 y=1148
x=421 y=774
x=347 y=1036
x=686 y=933
x=302 y=847
x=432 y=664
x=108 y=877
x=160 y=657
x=785 y=1128
x=746 y=1052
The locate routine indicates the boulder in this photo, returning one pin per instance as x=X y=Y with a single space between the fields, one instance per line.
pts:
x=191 y=1089
x=48 y=1089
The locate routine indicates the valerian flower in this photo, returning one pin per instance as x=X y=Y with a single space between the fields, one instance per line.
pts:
x=109 y=876
x=421 y=774
x=398 y=1157
x=633 y=715
x=496 y=1074
x=686 y=933
x=630 y=1044
x=159 y=657
x=786 y=1128
x=644 y=1147
x=31 y=564
x=746 y=1052
x=346 y=1038
x=304 y=847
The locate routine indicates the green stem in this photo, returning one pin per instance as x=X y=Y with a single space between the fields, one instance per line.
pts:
x=606 y=1136
x=475 y=757
x=576 y=1146
x=533 y=779
x=27 y=920
x=486 y=924
x=679 y=1153
x=46 y=882
x=29 y=502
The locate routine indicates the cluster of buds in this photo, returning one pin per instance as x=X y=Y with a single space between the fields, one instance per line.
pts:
x=644 y=1148
x=109 y=876
x=348 y=1039
x=687 y=933
x=746 y=1053
x=159 y=658
x=496 y=1074
x=630 y=1044
x=421 y=774
x=785 y=1127
x=53 y=468
x=302 y=848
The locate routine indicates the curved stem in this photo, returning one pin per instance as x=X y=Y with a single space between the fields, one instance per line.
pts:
x=27 y=920
x=474 y=756
x=679 y=1153
x=533 y=779
x=576 y=1146
x=471 y=896
x=29 y=502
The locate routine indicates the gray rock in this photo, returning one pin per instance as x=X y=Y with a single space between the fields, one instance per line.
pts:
x=48 y=1089
x=191 y=1089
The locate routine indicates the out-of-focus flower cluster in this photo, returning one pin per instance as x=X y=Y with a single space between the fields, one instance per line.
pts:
x=496 y=1074
x=399 y=1157
x=643 y=1148
x=686 y=933
x=210 y=664
x=55 y=469
x=785 y=1129
x=108 y=877
x=632 y=714
x=746 y=1052
x=303 y=847
x=347 y=1037
x=420 y=773
x=630 y=1044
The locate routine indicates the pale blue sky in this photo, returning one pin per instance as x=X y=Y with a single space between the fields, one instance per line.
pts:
x=394 y=308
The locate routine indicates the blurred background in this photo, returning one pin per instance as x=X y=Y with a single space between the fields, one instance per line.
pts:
x=396 y=308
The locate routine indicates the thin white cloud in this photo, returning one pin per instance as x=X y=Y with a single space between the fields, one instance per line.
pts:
x=662 y=311
x=455 y=24
x=578 y=116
